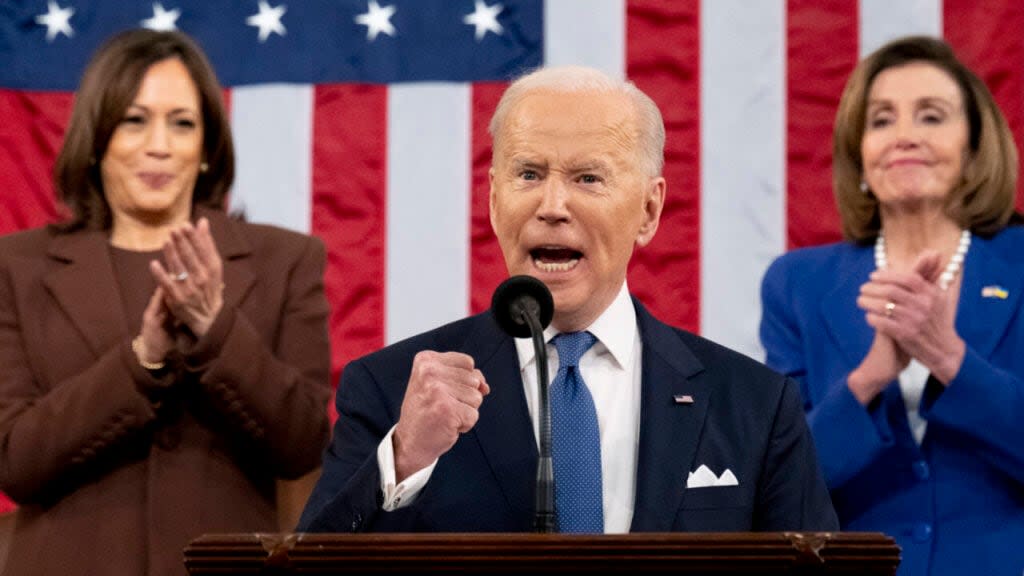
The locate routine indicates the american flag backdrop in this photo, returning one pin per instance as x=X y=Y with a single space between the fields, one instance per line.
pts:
x=364 y=122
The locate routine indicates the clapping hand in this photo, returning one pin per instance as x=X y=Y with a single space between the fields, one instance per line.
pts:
x=192 y=284
x=154 y=340
x=917 y=314
x=912 y=318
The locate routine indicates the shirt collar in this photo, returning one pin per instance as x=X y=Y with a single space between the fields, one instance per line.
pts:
x=615 y=329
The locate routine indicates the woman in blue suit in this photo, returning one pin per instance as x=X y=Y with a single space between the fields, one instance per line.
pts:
x=908 y=339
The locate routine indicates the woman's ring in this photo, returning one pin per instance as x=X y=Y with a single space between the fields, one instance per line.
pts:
x=890 y=307
x=181 y=277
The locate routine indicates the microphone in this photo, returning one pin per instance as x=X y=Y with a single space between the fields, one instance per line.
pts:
x=523 y=307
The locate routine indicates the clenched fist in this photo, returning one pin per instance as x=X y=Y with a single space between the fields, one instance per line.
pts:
x=442 y=401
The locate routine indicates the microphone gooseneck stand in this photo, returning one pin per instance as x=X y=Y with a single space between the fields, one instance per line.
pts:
x=523 y=307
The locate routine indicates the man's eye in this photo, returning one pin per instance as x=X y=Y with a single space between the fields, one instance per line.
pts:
x=529 y=175
x=589 y=179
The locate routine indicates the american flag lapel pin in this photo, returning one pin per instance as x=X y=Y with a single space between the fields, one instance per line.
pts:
x=683 y=399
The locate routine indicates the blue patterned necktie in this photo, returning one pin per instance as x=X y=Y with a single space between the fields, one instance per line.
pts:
x=575 y=441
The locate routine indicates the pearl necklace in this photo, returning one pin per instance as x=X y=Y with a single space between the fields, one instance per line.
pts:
x=947 y=276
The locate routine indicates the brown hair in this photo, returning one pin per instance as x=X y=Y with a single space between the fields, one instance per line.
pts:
x=984 y=201
x=107 y=89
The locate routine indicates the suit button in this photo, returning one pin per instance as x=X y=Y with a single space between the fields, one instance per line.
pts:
x=923 y=532
x=357 y=522
x=922 y=470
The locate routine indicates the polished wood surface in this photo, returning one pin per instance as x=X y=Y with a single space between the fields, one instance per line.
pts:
x=732 y=553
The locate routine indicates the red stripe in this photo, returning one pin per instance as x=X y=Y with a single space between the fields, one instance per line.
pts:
x=31 y=132
x=988 y=35
x=663 y=59
x=486 y=264
x=821 y=51
x=349 y=213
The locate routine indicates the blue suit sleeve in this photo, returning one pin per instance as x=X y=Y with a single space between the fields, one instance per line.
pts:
x=985 y=404
x=848 y=437
x=347 y=496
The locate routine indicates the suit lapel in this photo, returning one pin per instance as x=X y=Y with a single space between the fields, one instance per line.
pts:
x=504 y=430
x=669 y=432
x=85 y=288
x=983 y=316
x=842 y=318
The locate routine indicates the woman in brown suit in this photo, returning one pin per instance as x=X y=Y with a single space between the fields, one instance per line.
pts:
x=161 y=365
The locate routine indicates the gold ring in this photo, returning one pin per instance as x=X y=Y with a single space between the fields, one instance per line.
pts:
x=890 y=307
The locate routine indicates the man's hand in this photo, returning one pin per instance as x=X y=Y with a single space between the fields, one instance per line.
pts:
x=442 y=401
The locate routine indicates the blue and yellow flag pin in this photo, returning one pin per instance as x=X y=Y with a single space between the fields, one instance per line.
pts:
x=994 y=292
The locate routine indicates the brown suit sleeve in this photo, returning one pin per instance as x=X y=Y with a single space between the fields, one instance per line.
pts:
x=275 y=397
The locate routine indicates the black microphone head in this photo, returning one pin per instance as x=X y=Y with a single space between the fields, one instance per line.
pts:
x=513 y=297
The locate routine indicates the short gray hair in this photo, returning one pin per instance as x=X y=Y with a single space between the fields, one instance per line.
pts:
x=577 y=79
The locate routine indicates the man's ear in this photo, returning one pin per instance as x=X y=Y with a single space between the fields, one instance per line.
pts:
x=654 y=202
x=491 y=200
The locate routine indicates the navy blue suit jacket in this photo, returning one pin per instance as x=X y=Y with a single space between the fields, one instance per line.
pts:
x=955 y=504
x=744 y=417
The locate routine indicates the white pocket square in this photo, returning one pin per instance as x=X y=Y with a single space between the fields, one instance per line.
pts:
x=704 y=478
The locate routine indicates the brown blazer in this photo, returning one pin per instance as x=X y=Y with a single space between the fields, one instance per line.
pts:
x=115 y=470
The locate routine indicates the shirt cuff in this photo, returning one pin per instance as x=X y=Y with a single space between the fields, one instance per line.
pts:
x=403 y=494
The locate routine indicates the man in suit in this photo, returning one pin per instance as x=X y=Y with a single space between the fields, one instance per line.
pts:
x=664 y=431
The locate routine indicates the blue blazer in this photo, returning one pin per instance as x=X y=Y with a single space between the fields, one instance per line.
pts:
x=744 y=417
x=956 y=503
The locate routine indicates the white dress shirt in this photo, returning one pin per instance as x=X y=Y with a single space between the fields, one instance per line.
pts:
x=913 y=379
x=612 y=371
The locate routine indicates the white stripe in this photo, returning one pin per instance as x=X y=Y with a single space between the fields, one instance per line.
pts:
x=743 y=143
x=272 y=126
x=884 y=20
x=428 y=207
x=587 y=33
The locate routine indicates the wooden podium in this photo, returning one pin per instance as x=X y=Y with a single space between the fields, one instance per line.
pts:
x=725 y=553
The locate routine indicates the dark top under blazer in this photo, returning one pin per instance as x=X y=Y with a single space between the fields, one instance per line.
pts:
x=744 y=417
